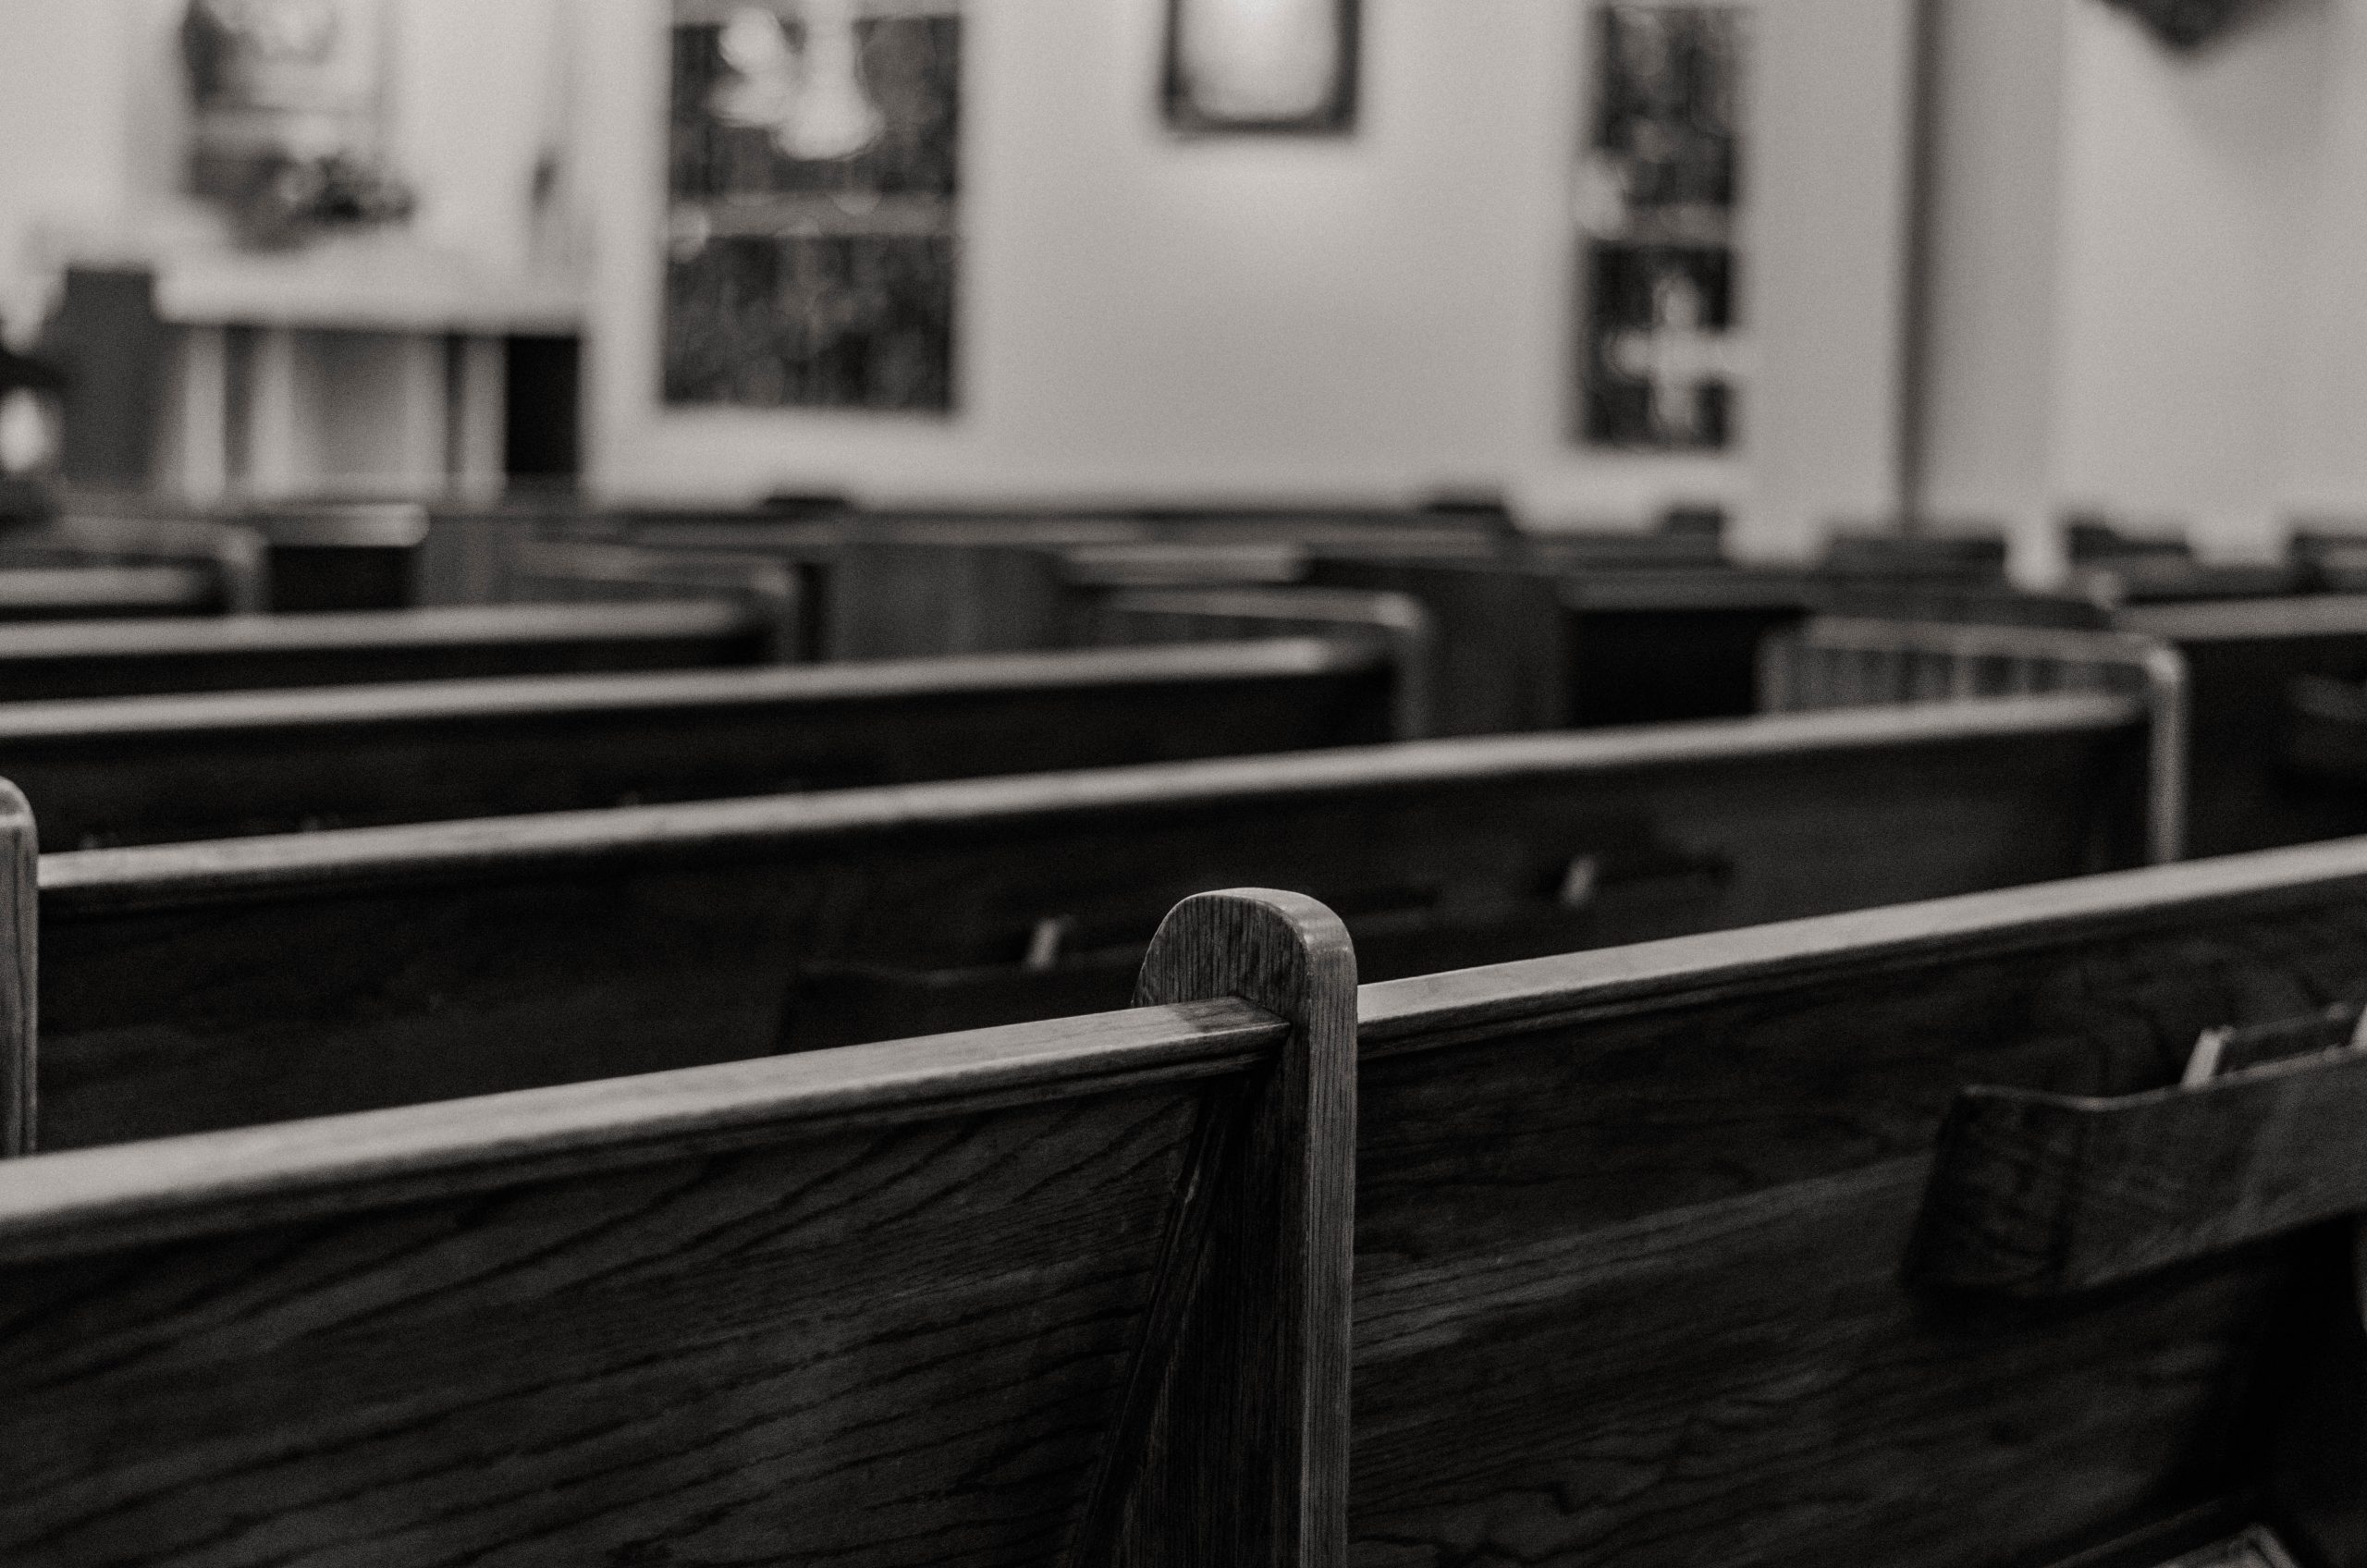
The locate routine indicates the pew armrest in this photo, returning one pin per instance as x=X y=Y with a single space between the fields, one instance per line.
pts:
x=2035 y=1194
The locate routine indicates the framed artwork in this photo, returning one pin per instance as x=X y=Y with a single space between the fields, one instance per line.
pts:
x=1261 y=66
x=812 y=182
x=1661 y=357
x=288 y=104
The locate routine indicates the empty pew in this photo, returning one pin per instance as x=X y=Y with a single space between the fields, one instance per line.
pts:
x=2241 y=660
x=1884 y=1237
x=2327 y=730
x=1539 y=645
x=328 y=556
x=190 y=987
x=1391 y=622
x=189 y=566
x=105 y=593
x=570 y=571
x=233 y=653
x=886 y=587
x=1075 y=1292
x=1836 y=661
x=127 y=770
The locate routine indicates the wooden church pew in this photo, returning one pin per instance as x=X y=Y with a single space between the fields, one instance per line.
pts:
x=232 y=653
x=1071 y=1292
x=2241 y=660
x=127 y=770
x=1392 y=622
x=223 y=568
x=900 y=587
x=106 y=593
x=1836 y=662
x=2242 y=657
x=189 y=986
x=567 y=571
x=1655 y=1264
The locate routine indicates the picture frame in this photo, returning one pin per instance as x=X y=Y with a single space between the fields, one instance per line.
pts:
x=1261 y=68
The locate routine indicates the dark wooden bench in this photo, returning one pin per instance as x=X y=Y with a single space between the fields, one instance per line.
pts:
x=578 y=571
x=190 y=987
x=1885 y=1237
x=1835 y=662
x=1393 y=623
x=1543 y=644
x=2242 y=657
x=2251 y=784
x=125 y=770
x=106 y=593
x=1073 y=1293
x=185 y=567
x=233 y=653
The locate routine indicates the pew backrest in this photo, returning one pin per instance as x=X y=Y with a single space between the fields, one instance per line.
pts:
x=1833 y=662
x=127 y=770
x=236 y=559
x=2242 y=657
x=106 y=593
x=1635 y=1228
x=1395 y=623
x=233 y=653
x=1076 y=1292
x=595 y=571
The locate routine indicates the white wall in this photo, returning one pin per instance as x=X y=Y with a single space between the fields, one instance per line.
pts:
x=2147 y=295
x=1990 y=284
x=1373 y=317
x=65 y=129
x=93 y=110
x=2188 y=187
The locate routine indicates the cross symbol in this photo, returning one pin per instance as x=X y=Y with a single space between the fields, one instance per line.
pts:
x=1676 y=355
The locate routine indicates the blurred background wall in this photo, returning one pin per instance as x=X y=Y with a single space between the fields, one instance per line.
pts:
x=2136 y=292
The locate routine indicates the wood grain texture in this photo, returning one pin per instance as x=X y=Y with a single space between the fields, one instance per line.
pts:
x=1630 y=1226
x=19 y=939
x=231 y=653
x=877 y=1306
x=1249 y=1460
x=204 y=985
x=2035 y=1194
x=127 y=770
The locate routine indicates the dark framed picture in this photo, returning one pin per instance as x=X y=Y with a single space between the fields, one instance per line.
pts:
x=812 y=204
x=1261 y=66
x=1661 y=359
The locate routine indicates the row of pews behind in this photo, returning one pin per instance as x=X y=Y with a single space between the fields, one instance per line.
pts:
x=1488 y=632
